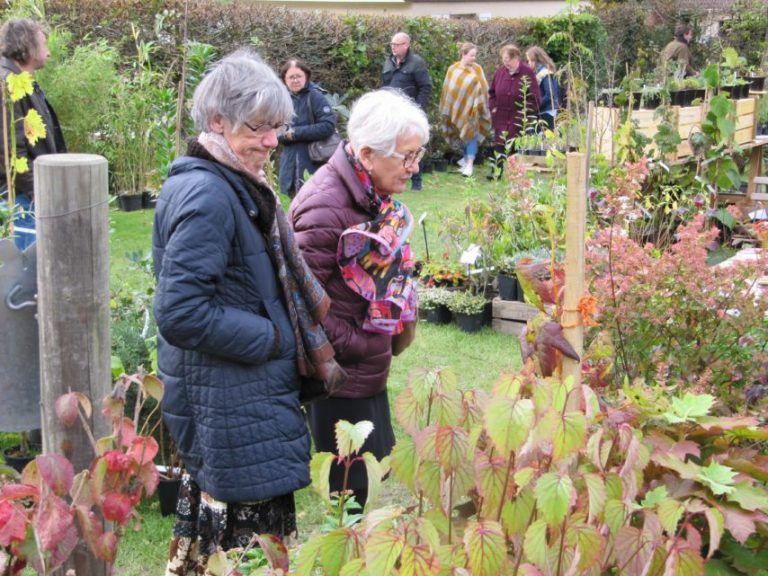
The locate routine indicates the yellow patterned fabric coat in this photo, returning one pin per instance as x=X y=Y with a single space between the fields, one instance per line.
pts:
x=464 y=103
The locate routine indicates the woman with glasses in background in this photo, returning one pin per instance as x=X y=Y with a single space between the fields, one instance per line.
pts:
x=353 y=232
x=313 y=120
x=231 y=304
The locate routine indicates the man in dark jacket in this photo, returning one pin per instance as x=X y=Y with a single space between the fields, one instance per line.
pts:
x=408 y=72
x=678 y=50
x=24 y=48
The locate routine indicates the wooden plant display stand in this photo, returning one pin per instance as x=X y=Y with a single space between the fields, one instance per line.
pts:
x=510 y=317
x=686 y=119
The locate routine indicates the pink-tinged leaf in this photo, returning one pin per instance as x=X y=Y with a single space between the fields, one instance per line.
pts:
x=153 y=386
x=105 y=547
x=589 y=546
x=597 y=495
x=727 y=422
x=13 y=524
x=66 y=408
x=425 y=444
x=149 y=477
x=52 y=520
x=447 y=408
x=90 y=525
x=451 y=443
x=113 y=408
x=126 y=432
x=339 y=547
x=570 y=430
x=716 y=525
x=118 y=462
x=117 y=507
x=508 y=422
x=18 y=491
x=274 y=550
x=143 y=449
x=634 y=550
x=485 y=547
x=409 y=412
x=419 y=560
x=428 y=481
x=491 y=475
x=57 y=472
x=739 y=523
x=684 y=561
x=382 y=551
x=529 y=570
x=686 y=470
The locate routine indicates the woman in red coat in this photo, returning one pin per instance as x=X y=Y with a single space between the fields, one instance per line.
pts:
x=513 y=98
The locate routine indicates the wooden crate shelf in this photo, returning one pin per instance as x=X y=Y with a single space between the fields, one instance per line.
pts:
x=510 y=317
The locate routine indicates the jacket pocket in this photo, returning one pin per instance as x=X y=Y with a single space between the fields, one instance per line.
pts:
x=279 y=316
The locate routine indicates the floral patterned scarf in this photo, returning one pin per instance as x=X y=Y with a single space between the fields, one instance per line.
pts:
x=376 y=262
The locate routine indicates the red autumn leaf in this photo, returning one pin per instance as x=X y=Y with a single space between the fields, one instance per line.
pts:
x=274 y=550
x=13 y=524
x=143 y=449
x=66 y=408
x=149 y=477
x=550 y=335
x=53 y=522
x=126 y=431
x=119 y=462
x=117 y=507
x=18 y=491
x=90 y=525
x=57 y=472
x=106 y=547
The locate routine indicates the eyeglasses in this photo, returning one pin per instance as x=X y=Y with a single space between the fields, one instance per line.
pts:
x=263 y=129
x=410 y=158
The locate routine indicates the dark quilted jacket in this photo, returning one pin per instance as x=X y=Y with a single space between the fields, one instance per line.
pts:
x=332 y=201
x=226 y=350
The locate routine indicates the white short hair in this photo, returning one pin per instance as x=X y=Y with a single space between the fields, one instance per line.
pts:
x=379 y=118
x=241 y=87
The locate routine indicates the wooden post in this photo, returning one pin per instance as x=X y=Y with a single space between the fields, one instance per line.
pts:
x=73 y=304
x=576 y=217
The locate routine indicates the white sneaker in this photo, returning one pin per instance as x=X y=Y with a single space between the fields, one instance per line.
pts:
x=462 y=162
x=466 y=171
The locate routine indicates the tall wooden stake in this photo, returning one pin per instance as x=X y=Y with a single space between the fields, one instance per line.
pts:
x=576 y=218
x=73 y=305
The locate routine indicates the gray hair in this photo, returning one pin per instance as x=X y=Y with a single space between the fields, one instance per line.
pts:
x=241 y=87
x=379 y=118
x=18 y=39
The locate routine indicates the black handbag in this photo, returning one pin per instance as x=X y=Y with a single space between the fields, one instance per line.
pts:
x=320 y=151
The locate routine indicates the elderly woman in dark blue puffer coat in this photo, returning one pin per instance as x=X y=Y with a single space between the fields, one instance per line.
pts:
x=237 y=311
x=313 y=120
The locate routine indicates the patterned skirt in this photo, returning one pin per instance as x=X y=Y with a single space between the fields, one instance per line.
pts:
x=205 y=525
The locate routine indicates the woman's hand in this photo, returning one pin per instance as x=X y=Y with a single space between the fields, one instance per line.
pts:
x=289 y=135
x=401 y=341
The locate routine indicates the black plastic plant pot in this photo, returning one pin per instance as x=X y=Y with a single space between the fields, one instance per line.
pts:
x=508 y=287
x=757 y=83
x=439 y=315
x=130 y=202
x=425 y=166
x=168 y=494
x=470 y=323
x=18 y=461
x=677 y=97
x=440 y=165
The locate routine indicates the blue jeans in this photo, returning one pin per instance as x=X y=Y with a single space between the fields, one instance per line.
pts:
x=24 y=222
x=470 y=149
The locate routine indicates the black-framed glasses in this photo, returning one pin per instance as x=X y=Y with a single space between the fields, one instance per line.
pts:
x=410 y=158
x=263 y=129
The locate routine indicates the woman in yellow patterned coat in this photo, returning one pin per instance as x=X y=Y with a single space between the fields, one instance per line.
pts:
x=464 y=105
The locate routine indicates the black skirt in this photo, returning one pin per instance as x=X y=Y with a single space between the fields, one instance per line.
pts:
x=323 y=416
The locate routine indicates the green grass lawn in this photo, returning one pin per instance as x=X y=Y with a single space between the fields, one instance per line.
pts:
x=478 y=359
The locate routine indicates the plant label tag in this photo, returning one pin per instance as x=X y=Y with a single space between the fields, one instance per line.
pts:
x=470 y=255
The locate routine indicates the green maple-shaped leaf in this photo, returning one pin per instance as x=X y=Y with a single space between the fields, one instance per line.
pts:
x=485 y=547
x=535 y=544
x=428 y=481
x=670 y=512
x=597 y=495
x=308 y=553
x=418 y=560
x=570 y=431
x=516 y=513
x=405 y=462
x=687 y=470
x=350 y=437
x=687 y=562
x=589 y=544
x=34 y=127
x=375 y=471
x=553 y=496
x=19 y=85
x=719 y=478
x=655 y=496
x=750 y=497
x=491 y=474
x=320 y=470
x=615 y=515
x=508 y=423
x=451 y=443
x=689 y=407
x=409 y=412
x=339 y=547
x=20 y=164
x=382 y=551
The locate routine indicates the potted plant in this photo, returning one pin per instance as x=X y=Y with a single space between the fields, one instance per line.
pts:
x=434 y=302
x=21 y=454
x=756 y=78
x=469 y=310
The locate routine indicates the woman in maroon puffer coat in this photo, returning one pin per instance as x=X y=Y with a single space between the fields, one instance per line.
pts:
x=387 y=133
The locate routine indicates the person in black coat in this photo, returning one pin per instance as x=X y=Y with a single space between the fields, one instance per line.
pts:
x=24 y=48
x=313 y=119
x=408 y=72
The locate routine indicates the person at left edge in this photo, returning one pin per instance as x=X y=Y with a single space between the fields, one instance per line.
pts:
x=314 y=119
x=407 y=71
x=24 y=48
x=232 y=305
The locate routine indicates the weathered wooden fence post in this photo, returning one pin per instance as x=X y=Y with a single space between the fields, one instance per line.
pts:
x=576 y=219
x=73 y=303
